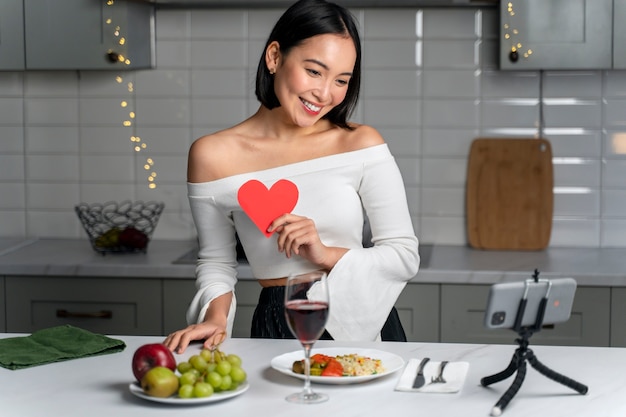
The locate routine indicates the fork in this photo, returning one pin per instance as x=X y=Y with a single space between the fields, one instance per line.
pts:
x=439 y=378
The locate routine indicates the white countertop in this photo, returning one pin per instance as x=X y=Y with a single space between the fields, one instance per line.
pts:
x=440 y=263
x=99 y=386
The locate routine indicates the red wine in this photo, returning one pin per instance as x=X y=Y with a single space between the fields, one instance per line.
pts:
x=306 y=319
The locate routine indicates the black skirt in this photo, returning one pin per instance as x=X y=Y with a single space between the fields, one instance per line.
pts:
x=269 y=319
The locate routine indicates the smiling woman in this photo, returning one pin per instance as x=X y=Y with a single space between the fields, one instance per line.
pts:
x=339 y=173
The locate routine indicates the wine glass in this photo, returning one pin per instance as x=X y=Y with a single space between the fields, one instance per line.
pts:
x=306 y=309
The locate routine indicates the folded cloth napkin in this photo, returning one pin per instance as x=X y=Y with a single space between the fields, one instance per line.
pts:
x=55 y=344
x=454 y=374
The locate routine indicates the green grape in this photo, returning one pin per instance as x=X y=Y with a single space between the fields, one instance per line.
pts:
x=185 y=391
x=202 y=390
x=211 y=367
x=223 y=368
x=188 y=378
x=198 y=362
x=226 y=383
x=238 y=374
x=207 y=355
x=233 y=359
x=183 y=367
x=214 y=379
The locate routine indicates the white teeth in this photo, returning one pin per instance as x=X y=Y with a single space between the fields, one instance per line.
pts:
x=311 y=106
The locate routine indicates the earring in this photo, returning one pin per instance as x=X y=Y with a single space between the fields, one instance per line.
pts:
x=272 y=71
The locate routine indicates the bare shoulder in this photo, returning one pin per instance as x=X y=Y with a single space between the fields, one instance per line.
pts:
x=209 y=155
x=363 y=136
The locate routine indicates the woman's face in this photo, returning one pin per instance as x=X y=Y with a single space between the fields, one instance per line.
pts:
x=313 y=78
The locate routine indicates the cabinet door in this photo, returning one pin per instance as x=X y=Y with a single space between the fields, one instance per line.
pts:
x=81 y=34
x=618 y=317
x=102 y=305
x=463 y=311
x=11 y=35
x=555 y=34
x=2 y=307
x=418 y=308
x=619 y=34
x=247 y=299
x=177 y=295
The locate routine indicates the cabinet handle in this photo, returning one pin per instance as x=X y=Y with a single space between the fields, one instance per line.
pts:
x=102 y=314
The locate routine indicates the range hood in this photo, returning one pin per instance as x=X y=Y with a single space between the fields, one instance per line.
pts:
x=346 y=3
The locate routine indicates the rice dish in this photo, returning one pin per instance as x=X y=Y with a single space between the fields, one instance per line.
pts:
x=355 y=365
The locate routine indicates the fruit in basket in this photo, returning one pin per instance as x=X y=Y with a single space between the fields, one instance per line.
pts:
x=160 y=382
x=109 y=239
x=133 y=238
x=150 y=356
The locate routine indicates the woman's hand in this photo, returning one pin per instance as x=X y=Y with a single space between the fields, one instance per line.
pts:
x=179 y=340
x=298 y=235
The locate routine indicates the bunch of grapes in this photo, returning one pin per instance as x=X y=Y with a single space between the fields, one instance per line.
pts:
x=208 y=372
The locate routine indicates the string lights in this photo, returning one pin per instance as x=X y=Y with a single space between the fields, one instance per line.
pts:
x=138 y=144
x=511 y=34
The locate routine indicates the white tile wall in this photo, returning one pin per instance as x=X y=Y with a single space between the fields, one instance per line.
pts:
x=431 y=85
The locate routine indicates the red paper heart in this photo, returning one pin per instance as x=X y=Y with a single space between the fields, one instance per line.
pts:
x=263 y=206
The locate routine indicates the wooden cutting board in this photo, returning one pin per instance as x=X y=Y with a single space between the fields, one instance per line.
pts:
x=509 y=196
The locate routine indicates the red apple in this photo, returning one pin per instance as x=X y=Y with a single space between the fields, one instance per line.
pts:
x=133 y=238
x=150 y=356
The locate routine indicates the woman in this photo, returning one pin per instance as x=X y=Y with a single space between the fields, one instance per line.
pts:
x=308 y=81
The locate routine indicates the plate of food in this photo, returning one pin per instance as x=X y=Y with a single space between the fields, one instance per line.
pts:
x=136 y=390
x=340 y=365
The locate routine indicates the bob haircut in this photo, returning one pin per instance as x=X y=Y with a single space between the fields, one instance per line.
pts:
x=303 y=20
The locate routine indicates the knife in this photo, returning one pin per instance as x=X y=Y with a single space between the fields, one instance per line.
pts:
x=419 y=378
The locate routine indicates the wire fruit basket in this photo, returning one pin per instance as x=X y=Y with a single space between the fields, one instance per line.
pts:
x=121 y=227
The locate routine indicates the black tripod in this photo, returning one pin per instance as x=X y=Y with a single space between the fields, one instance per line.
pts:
x=523 y=354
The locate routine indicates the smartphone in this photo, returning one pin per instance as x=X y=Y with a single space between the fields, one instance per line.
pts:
x=504 y=300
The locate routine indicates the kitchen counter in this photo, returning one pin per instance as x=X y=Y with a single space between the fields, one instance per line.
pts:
x=99 y=386
x=440 y=263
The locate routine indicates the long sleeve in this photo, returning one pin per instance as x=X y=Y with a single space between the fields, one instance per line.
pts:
x=366 y=283
x=216 y=272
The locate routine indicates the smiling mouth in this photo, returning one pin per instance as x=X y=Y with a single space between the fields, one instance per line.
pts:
x=311 y=107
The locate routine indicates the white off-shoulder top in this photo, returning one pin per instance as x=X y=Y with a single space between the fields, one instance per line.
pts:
x=334 y=191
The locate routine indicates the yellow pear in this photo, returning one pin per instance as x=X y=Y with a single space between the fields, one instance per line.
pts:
x=160 y=382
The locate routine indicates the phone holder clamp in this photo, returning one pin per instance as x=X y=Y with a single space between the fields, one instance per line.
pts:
x=523 y=354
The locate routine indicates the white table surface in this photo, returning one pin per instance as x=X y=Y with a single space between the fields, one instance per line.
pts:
x=98 y=386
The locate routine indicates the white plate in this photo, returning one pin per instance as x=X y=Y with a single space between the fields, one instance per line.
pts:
x=136 y=390
x=391 y=363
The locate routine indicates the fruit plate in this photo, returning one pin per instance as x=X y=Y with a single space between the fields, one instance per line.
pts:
x=136 y=390
x=391 y=362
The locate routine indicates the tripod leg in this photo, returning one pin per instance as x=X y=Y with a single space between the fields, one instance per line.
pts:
x=555 y=376
x=492 y=379
x=510 y=393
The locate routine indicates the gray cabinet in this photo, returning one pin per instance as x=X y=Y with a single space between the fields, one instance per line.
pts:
x=76 y=35
x=463 y=309
x=11 y=35
x=619 y=34
x=418 y=308
x=2 y=307
x=556 y=34
x=618 y=317
x=102 y=305
x=177 y=295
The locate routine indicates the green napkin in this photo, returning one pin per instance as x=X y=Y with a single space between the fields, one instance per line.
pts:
x=55 y=344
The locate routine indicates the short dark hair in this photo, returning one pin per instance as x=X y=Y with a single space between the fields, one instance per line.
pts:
x=303 y=20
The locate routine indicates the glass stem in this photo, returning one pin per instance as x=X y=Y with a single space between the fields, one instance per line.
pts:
x=307 y=391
